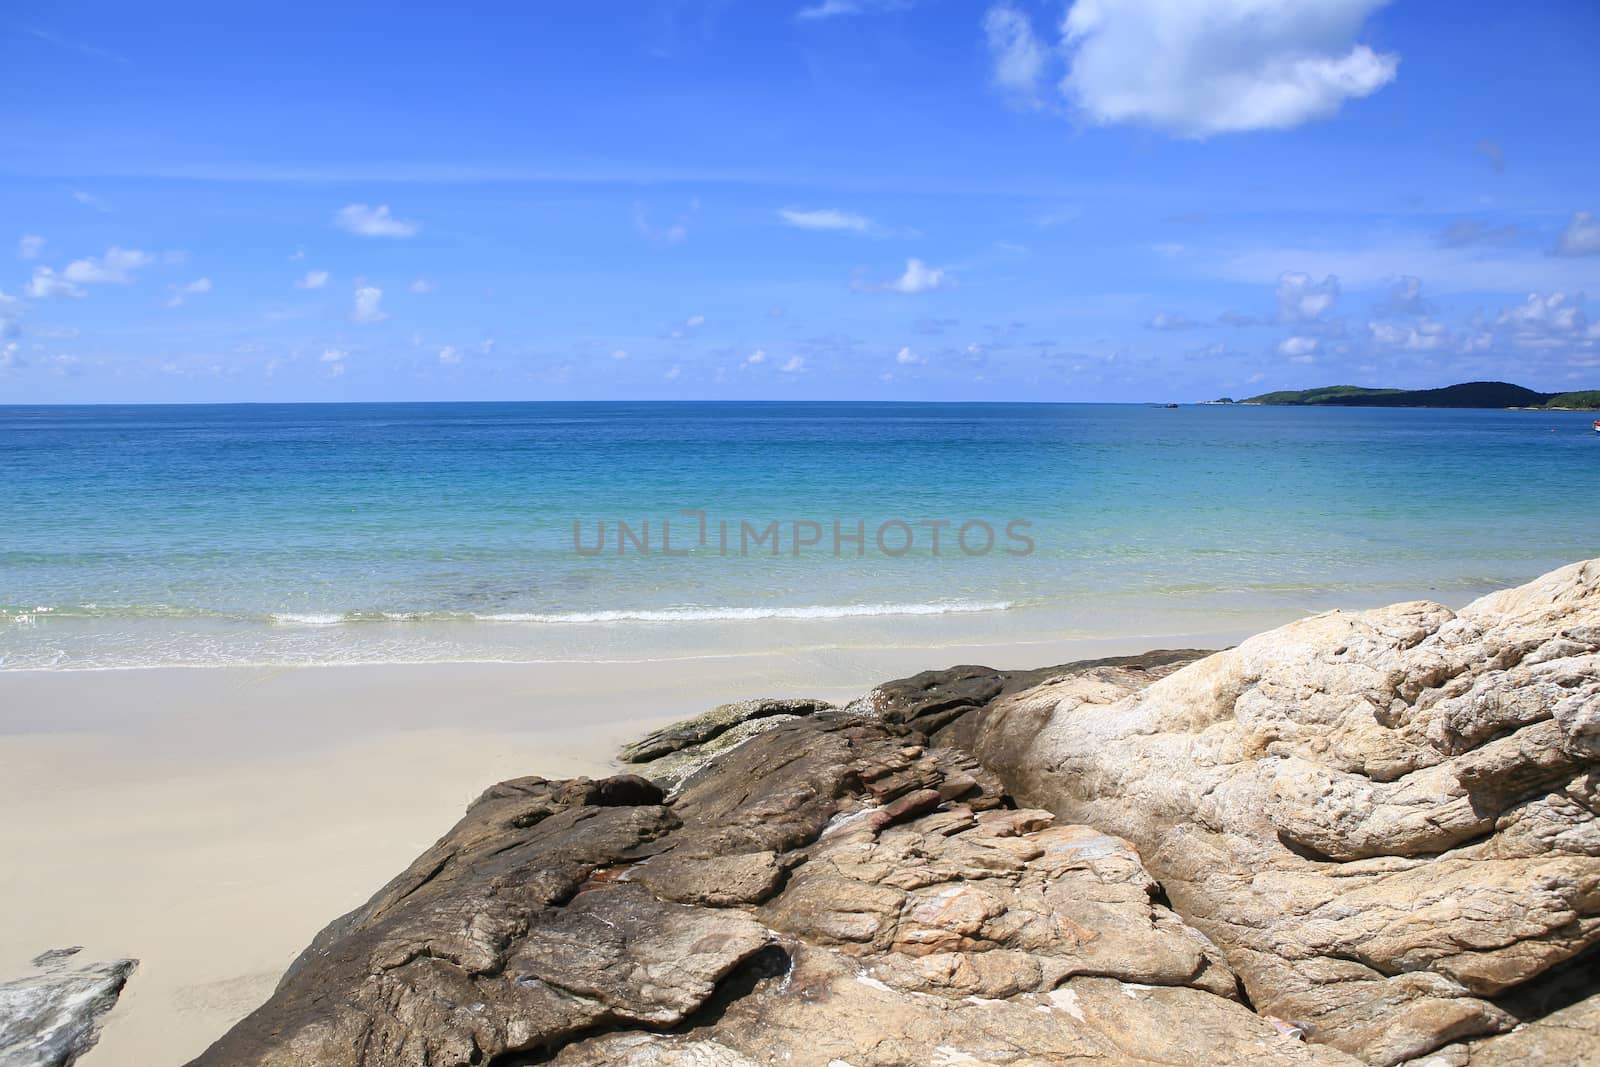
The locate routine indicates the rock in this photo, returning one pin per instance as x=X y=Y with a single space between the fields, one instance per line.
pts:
x=934 y=700
x=675 y=753
x=823 y=893
x=50 y=1019
x=1386 y=820
x=702 y=728
x=1361 y=838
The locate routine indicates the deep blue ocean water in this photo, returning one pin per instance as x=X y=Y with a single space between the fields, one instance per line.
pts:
x=138 y=536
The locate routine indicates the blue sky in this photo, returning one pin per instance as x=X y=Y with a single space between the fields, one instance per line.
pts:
x=824 y=199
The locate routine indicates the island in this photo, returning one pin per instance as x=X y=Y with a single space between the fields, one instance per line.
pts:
x=1464 y=395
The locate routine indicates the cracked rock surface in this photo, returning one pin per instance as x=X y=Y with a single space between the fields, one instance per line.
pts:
x=1386 y=820
x=1361 y=838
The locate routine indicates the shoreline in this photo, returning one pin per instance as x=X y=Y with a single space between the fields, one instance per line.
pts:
x=209 y=821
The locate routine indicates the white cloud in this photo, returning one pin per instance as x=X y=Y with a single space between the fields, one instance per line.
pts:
x=314 y=279
x=1581 y=236
x=334 y=358
x=825 y=219
x=369 y=305
x=1299 y=349
x=1422 y=336
x=919 y=278
x=46 y=283
x=177 y=294
x=756 y=357
x=449 y=355
x=619 y=355
x=90 y=200
x=116 y=267
x=422 y=286
x=1017 y=54
x=373 y=221
x=1302 y=300
x=694 y=321
x=672 y=373
x=28 y=246
x=793 y=365
x=672 y=233
x=828 y=9
x=1200 y=67
x=907 y=358
x=1171 y=320
x=1545 y=319
x=1405 y=296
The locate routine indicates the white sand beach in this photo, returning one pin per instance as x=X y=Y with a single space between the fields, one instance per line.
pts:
x=210 y=821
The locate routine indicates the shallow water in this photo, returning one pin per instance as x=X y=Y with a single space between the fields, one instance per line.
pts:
x=143 y=536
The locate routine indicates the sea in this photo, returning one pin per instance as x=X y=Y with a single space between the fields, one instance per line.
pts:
x=155 y=536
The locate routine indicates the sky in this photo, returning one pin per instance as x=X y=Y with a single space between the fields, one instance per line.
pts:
x=1102 y=200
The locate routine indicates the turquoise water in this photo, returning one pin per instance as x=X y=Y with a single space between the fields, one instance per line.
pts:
x=141 y=536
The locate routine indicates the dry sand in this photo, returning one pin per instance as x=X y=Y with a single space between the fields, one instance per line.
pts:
x=209 y=821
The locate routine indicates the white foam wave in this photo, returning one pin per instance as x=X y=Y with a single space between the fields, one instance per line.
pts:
x=731 y=614
x=290 y=618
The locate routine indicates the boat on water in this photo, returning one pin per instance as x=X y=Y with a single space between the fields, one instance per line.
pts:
x=1597 y=425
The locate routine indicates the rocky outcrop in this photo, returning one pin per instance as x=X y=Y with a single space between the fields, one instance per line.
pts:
x=1361 y=838
x=673 y=753
x=1386 y=820
x=52 y=1018
x=831 y=890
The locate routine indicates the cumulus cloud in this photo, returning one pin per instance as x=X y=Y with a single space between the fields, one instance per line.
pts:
x=314 y=279
x=675 y=232
x=919 y=278
x=1299 y=349
x=825 y=219
x=755 y=358
x=373 y=221
x=793 y=365
x=369 y=305
x=1405 y=296
x=177 y=294
x=334 y=358
x=47 y=283
x=115 y=267
x=1424 y=335
x=449 y=355
x=1581 y=237
x=1302 y=300
x=907 y=358
x=1204 y=67
x=29 y=245
x=1545 y=320
x=619 y=354
x=1171 y=320
x=1017 y=55
x=671 y=374
x=422 y=286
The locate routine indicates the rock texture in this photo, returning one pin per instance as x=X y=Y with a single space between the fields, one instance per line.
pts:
x=1386 y=820
x=50 y=1019
x=675 y=752
x=1361 y=838
x=831 y=890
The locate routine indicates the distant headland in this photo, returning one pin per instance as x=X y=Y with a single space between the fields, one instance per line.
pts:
x=1465 y=395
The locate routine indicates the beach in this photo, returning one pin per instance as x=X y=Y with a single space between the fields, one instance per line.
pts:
x=209 y=821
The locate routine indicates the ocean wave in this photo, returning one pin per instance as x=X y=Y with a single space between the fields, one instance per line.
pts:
x=688 y=613
x=732 y=614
